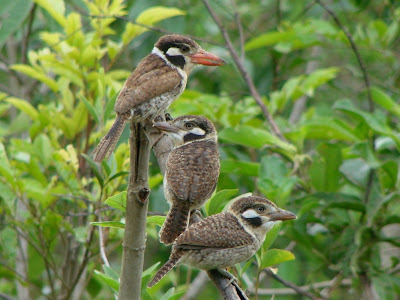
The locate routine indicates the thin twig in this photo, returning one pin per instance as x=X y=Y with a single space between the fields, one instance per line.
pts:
x=291 y=285
x=152 y=28
x=246 y=76
x=334 y=283
x=196 y=287
x=290 y=291
x=83 y=264
x=360 y=61
x=25 y=41
x=355 y=50
x=240 y=28
x=101 y=236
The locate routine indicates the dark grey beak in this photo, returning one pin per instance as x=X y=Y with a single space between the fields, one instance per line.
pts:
x=165 y=126
x=281 y=215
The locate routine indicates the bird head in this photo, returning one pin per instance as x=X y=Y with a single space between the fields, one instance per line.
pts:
x=189 y=128
x=184 y=53
x=258 y=214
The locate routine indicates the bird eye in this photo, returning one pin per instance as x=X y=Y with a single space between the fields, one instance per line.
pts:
x=189 y=125
x=184 y=48
x=260 y=209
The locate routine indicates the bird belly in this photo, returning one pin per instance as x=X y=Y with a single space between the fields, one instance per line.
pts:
x=149 y=110
x=207 y=259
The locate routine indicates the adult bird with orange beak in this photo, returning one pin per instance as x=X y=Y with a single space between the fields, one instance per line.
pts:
x=159 y=79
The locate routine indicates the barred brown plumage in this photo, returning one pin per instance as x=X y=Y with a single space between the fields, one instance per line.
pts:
x=192 y=170
x=227 y=238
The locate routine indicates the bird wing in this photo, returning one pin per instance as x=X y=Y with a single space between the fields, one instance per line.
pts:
x=152 y=78
x=218 y=231
x=192 y=170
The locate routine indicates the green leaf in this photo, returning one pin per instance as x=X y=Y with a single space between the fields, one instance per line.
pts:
x=348 y=205
x=158 y=220
x=5 y=167
x=79 y=119
x=275 y=256
x=327 y=128
x=254 y=137
x=90 y=108
x=324 y=171
x=110 y=272
x=381 y=98
x=8 y=195
x=274 y=180
x=268 y=39
x=12 y=15
x=270 y=237
x=149 y=271
x=108 y=280
x=110 y=107
x=177 y=295
x=111 y=224
x=388 y=175
x=246 y=168
x=356 y=170
x=94 y=168
x=155 y=180
x=36 y=74
x=43 y=149
x=169 y=294
x=374 y=121
x=148 y=17
x=156 y=14
x=119 y=174
x=55 y=8
x=217 y=202
x=24 y=106
x=117 y=201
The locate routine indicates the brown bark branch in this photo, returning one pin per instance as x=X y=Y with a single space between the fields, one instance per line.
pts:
x=136 y=213
x=246 y=76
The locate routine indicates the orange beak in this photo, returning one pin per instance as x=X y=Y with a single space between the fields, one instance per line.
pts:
x=206 y=58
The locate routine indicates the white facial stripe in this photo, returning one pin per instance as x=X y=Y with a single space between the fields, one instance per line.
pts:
x=173 y=51
x=198 y=131
x=159 y=53
x=249 y=214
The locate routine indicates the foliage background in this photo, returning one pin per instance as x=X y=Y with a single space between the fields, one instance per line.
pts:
x=338 y=168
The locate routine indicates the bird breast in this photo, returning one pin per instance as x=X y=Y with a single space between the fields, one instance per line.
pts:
x=192 y=172
x=156 y=106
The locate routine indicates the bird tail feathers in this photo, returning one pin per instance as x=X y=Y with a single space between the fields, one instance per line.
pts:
x=176 y=222
x=172 y=261
x=107 y=144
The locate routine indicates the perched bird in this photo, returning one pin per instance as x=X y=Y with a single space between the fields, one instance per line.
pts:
x=227 y=238
x=191 y=173
x=158 y=80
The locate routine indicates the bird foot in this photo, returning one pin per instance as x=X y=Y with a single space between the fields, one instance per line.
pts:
x=232 y=279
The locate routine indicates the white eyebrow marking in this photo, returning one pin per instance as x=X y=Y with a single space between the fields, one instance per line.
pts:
x=173 y=51
x=249 y=214
x=198 y=131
